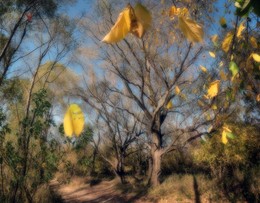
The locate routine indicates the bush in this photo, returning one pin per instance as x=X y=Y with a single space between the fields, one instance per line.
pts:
x=235 y=165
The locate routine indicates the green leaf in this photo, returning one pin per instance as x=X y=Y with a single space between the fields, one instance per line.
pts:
x=231 y=135
x=233 y=68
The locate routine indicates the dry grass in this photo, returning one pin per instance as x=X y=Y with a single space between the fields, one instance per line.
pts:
x=185 y=188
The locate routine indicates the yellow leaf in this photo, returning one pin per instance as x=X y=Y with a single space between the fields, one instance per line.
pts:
x=213 y=89
x=177 y=90
x=203 y=69
x=256 y=57
x=223 y=22
x=227 y=41
x=200 y=103
x=224 y=137
x=212 y=54
x=227 y=129
x=73 y=120
x=169 y=105
x=240 y=29
x=223 y=76
x=173 y=12
x=253 y=42
x=67 y=124
x=214 y=107
x=258 y=98
x=191 y=30
x=214 y=39
x=121 y=27
x=144 y=20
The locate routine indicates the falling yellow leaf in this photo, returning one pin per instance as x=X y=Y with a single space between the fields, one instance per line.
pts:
x=73 y=120
x=214 y=107
x=227 y=41
x=191 y=30
x=177 y=90
x=203 y=69
x=212 y=54
x=240 y=29
x=121 y=27
x=173 y=12
x=213 y=89
x=225 y=132
x=221 y=63
x=258 y=98
x=253 y=42
x=214 y=39
x=224 y=137
x=223 y=75
x=256 y=57
x=200 y=103
x=169 y=105
x=136 y=21
x=144 y=20
x=223 y=22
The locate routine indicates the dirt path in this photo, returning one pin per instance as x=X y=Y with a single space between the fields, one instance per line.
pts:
x=80 y=190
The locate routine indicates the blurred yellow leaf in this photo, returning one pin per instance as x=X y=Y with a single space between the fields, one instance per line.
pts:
x=258 y=98
x=203 y=69
x=144 y=20
x=121 y=27
x=224 y=137
x=136 y=21
x=223 y=75
x=256 y=57
x=253 y=42
x=213 y=89
x=169 y=105
x=214 y=39
x=191 y=30
x=227 y=41
x=177 y=90
x=240 y=29
x=223 y=22
x=73 y=120
x=173 y=12
x=212 y=54
x=200 y=103
x=214 y=107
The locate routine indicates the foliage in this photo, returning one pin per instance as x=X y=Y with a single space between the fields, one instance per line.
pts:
x=235 y=163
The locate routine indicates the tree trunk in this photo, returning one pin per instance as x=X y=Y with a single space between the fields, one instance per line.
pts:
x=156 y=168
x=156 y=155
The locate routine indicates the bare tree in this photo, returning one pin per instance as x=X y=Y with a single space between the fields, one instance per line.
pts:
x=151 y=72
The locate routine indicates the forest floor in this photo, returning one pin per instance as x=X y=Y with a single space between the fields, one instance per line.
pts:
x=174 y=189
x=83 y=190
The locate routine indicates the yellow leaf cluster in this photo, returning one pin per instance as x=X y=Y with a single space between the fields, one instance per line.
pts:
x=135 y=20
x=73 y=120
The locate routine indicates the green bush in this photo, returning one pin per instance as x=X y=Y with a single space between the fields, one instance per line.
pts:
x=234 y=165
